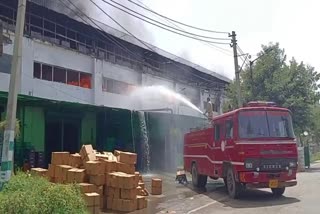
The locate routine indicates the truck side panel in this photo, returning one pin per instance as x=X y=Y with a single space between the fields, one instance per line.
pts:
x=198 y=148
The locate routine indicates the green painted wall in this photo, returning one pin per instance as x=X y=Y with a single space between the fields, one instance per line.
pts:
x=88 y=129
x=34 y=127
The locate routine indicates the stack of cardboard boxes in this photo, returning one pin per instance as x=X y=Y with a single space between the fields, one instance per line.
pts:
x=107 y=180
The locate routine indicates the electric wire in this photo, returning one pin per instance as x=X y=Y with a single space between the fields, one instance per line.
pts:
x=161 y=23
x=181 y=23
x=181 y=34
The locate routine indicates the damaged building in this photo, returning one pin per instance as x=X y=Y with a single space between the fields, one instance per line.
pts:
x=76 y=83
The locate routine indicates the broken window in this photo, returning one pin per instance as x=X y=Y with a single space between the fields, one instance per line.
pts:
x=73 y=78
x=85 y=80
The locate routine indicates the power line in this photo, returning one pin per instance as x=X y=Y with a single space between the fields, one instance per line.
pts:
x=242 y=54
x=142 y=42
x=148 y=18
x=181 y=23
x=220 y=49
x=181 y=34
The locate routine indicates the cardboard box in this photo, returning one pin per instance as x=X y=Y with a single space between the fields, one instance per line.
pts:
x=87 y=153
x=137 y=175
x=94 y=167
x=156 y=190
x=103 y=202
x=87 y=188
x=71 y=175
x=39 y=172
x=99 y=190
x=76 y=175
x=112 y=192
x=141 y=202
x=128 y=205
x=142 y=185
x=93 y=210
x=127 y=157
x=116 y=204
x=156 y=182
x=81 y=176
x=98 y=179
x=109 y=165
x=112 y=179
x=128 y=194
x=127 y=182
x=59 y=180
x=62 y=171
x=109 y=202
x=75 y=160
x=125 y=168
x=51 y=170
x=92 y=199
x=60 y=158
x=110 y=156
x=101 y=157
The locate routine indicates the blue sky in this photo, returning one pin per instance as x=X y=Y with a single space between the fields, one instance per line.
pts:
x=292 y=23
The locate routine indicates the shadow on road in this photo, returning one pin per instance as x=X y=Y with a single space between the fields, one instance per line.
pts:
x=313 y=170
x=251 y=198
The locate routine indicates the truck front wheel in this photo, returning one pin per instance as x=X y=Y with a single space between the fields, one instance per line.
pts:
x=278 y=191
x=198 y=180
x=234 y=187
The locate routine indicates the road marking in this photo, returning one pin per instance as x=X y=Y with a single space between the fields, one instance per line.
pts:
x=206 y=205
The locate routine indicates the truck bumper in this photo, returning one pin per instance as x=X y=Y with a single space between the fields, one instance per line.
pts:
x=281 y=184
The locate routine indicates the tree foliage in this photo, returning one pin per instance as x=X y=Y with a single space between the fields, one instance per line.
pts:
x=290 y=84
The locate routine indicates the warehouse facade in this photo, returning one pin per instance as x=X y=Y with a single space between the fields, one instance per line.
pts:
x=77 y=79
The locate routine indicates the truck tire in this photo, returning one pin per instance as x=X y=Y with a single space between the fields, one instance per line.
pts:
x=278 y=192
x=234 y=187
x=225 y=183
x=198 y=180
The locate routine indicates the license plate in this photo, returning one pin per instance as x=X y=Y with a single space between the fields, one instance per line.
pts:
x=273 y=183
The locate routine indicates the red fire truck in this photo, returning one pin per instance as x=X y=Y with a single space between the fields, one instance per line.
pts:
x=250 y=147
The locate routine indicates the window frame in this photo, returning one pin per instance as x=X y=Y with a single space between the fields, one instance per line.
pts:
x=215 y=132
x=229 y=130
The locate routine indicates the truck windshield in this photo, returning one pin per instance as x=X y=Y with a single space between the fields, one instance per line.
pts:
x=264 y=124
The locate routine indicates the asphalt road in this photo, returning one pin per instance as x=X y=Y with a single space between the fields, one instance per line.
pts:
x=303 y=198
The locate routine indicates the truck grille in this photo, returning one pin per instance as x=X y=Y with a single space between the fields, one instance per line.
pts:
x=274 y=164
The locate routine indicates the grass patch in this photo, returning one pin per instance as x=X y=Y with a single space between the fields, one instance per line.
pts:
x=315 y=157
x=25 y=194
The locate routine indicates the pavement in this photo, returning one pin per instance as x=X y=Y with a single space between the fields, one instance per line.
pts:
x=303 y=198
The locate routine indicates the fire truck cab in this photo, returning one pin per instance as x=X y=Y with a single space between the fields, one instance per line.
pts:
x=250 y=147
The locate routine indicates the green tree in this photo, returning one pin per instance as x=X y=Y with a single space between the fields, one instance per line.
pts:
x=289 y=84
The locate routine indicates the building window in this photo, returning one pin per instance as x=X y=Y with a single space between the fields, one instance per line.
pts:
x=73 y=78
x=85 y=80
x=46 y=72
x=61 y=75
x=5 y=63
x=37 y=70
x=117 y=87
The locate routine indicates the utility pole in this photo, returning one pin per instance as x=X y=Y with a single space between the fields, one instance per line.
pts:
x=236 y=67
x=7 y=159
